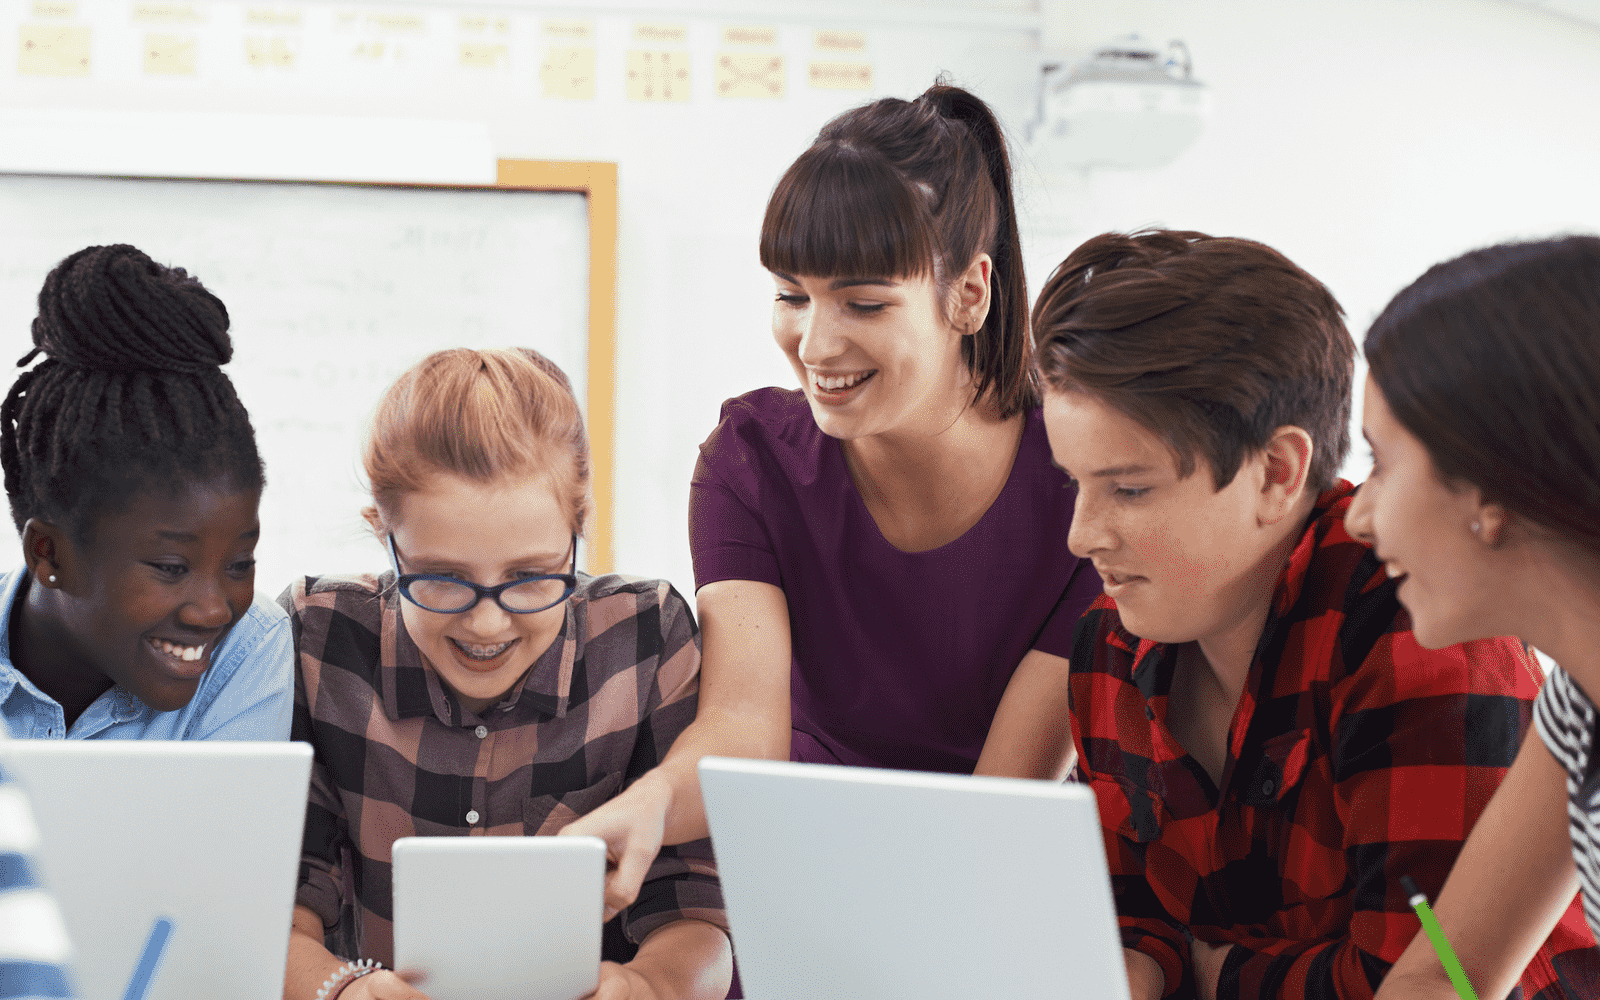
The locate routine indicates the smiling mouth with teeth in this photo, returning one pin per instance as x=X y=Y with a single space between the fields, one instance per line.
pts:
x=186 y=653
x=476 y=652
x=839 y=383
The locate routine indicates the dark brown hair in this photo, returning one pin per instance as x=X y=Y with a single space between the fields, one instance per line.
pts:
x=483 y=415
x=1492 y=361
x=1211 y=343
x=906 y=189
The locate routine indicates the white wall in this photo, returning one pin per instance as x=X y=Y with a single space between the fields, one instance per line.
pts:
x=1365 y=139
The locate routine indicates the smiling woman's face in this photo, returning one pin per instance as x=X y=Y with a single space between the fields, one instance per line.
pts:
x=162 y=580
x=873 y=355
x=1422 y=530
x=487 y=534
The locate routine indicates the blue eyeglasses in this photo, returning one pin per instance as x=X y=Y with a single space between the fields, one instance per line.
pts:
x=448 y=595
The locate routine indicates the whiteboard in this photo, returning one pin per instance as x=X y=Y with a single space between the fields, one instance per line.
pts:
x=333 y=290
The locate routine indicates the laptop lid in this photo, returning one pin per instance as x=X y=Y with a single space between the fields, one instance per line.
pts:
x=204 y=835
x=500 y=918
x=900 y=885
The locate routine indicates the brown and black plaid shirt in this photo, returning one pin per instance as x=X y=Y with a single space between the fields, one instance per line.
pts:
x=397 y=755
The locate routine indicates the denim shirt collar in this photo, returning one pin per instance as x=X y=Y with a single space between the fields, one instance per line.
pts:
x=114 y=707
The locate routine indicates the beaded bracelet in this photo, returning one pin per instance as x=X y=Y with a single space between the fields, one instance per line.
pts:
x=346 y=974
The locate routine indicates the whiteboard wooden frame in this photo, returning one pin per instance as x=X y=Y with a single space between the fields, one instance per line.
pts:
x=597 y=182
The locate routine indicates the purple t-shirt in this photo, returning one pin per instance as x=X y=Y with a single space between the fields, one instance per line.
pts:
x=900 y=658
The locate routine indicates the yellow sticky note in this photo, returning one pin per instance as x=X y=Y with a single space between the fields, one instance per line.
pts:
x=46 y=50
x=747 y=35
x=570 y=30
x=397 y=22
x=841 y=41
x=275 y=53
x=658 y=75
x=167 y=13
x=749 y=74
x=567 y=72
x=841 y=75
x=170 y=55
x=661 y=34
x=271 y=17
x=482 y=55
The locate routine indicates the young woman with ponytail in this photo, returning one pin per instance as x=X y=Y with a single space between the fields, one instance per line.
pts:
x=134 y=481
x=881 y=554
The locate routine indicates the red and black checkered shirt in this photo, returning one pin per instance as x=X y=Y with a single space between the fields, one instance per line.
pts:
x=397 y=755
x=1355 y=757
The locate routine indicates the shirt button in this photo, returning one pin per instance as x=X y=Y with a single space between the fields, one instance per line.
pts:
x=482 y=731
x=1268 y=787
x=472 y=815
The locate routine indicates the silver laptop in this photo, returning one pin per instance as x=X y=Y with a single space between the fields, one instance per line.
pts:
x=847 y=882
x=205 y=836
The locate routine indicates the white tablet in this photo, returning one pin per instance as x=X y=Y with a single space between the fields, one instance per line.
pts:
x=500 y=918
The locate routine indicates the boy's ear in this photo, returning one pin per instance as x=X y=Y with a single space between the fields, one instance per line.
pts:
x=375 y=521
x=44 y=550
x=1286 y=466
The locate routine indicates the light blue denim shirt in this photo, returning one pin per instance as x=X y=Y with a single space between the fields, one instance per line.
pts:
x=247 y=694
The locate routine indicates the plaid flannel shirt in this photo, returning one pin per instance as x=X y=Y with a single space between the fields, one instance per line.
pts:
x=1355 y=757
x=397 y=754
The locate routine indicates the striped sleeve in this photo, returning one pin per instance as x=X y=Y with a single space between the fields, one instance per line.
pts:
x=1565 y=718
x=33 y=938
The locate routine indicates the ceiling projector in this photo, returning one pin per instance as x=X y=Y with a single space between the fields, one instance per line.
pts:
x=1128 y=105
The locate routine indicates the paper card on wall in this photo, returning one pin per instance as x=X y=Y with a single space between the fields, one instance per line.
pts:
x=749 y=74
x=272 y=17
x=167 y=13
x=841 y=41
x=658 y=75
x=567 y=72
x=485 y=55
x=170 y=55
x=841 y=75
x=483 y=24
x=270 y=53
x=661 y=34
x=397 y=22
x=54 y=8
x=46 y=50
x=747 y=35
x=569 y=30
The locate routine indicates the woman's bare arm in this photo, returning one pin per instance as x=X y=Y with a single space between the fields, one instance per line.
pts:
x=743 y=712
x=1509 y=887
x=1031 y=735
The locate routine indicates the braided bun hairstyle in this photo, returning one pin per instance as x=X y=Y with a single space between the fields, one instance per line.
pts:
x=130 y=396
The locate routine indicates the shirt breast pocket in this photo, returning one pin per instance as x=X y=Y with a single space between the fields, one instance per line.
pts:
x=1133 y=811
x=546 y=814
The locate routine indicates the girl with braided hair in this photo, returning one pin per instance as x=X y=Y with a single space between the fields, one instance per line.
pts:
x=881 y=554
x=134 y=480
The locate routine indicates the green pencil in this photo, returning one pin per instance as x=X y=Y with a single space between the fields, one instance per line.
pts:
x=1447 y=954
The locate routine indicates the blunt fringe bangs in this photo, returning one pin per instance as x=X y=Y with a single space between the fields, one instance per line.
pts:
x=842 y=211
x=1492 y=361
x=1210 y=343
